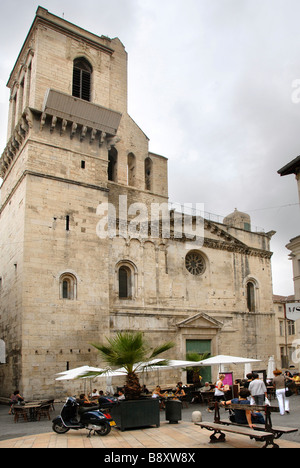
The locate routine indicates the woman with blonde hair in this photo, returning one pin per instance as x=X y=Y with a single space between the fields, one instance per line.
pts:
x=220 y=389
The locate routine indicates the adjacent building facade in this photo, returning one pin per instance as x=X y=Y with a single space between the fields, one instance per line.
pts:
x=73 y=150
x=293 y=167
x=287 y=332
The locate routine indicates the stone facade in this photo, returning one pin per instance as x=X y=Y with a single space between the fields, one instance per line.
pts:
x=62 y=286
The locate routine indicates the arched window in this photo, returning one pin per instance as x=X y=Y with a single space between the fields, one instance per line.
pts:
x=131 y=169
x=126 y=279
x=251 y=296
x=82 y=79
x=148 y=174
x=113 y=165
x=68 y=286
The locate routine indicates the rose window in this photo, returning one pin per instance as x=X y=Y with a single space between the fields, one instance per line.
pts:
x=195 y=263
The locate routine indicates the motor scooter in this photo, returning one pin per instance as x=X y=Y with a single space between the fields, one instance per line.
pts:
x=73 y=417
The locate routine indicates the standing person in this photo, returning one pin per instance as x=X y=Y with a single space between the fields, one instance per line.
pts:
x=280 y=387
x=249 y=378
x=219 y=389
x=258 y=390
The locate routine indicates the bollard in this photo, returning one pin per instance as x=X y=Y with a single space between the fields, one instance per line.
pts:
x=197 y=416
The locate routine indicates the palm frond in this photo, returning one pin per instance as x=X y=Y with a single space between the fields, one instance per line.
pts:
x=129 y=351
x=161 y=349
x=90 y=374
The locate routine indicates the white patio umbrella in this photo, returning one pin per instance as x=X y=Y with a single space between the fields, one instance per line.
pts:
x=154 y=366
x=70 y=371
x=271 y=368
x=78 y=372
x=171 y=364
x=183 y=364
x=222 y=360
x=248 y=368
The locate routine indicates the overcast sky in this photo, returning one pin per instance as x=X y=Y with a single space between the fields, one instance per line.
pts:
x=211 y=85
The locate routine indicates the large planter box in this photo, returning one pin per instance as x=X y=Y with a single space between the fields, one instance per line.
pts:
x=136 y=413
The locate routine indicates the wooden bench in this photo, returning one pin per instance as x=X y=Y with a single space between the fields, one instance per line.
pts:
x=278 y=431
x=267 y=437
x=266 y=433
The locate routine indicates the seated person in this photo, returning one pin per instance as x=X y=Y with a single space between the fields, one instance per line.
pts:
x=94 y=395
x=104 y=401
x=85 y=404
x=121 y=395
x=145 y=390
x=241 y=416
x=179 y=390
x=84 y=401
x=15 y=399
x=157 y=394
x=205 y=388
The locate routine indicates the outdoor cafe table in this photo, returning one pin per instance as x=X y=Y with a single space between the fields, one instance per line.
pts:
x=32 y=409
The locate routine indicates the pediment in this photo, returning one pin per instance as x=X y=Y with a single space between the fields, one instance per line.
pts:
x=200 y=320
x=215 y=232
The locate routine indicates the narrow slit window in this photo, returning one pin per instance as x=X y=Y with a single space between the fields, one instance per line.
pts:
x=112 y=170
x=67 y=223
x=148 y=174
x=251 y=297
x=66 y=289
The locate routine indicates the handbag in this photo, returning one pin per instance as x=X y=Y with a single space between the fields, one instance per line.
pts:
x=289 y=388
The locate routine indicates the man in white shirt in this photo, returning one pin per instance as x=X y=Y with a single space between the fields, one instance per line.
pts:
x=258 y=390
x=121 y=395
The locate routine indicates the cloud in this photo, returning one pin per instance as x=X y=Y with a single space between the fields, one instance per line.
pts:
x=210 y=82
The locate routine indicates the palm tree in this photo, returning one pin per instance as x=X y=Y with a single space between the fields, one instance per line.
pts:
x=195 y=357
x=130 y=351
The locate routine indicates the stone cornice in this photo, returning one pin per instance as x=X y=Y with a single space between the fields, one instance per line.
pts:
x=15 y=142
x=75 y=129
x=230 y=244
x=231 y=247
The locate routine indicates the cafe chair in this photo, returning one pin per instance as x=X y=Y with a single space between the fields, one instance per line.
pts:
x=44 y=410
x=20 y=412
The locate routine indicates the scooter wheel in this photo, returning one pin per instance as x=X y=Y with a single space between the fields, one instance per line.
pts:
x=104 y=430
x=59 y=428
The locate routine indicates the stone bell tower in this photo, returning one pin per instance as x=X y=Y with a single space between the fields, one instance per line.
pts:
x=71 y=146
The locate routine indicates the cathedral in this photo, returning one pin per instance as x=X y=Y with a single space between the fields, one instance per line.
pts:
x=77 y=173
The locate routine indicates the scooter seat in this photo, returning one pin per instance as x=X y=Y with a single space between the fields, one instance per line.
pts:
x=86 y=409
